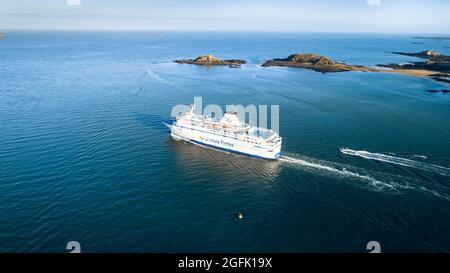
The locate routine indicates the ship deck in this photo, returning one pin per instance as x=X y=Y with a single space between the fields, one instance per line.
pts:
x=262 y=133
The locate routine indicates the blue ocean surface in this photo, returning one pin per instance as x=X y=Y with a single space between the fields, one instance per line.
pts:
x=84 y=154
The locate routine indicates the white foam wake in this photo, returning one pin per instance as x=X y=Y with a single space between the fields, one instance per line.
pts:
x=341 y=172
x=152 y=75
x=398 y=161
x=379 y=181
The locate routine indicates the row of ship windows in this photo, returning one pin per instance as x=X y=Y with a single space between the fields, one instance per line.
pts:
x=247 y=139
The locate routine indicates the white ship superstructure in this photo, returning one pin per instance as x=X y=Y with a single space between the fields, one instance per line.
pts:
x=228 y=133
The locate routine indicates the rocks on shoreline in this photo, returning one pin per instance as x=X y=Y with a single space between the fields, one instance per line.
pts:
x=436 y=62
x=210 y=60
x=422 y=54
x=445 y=91
x=315 y=62
x=441 y=77
x=436 y=66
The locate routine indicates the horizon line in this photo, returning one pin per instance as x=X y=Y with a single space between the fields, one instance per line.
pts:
x=218 y=31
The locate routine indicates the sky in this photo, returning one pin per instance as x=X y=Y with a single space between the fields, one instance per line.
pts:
x=384 y=16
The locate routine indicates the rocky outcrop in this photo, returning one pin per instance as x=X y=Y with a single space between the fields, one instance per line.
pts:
x=423 y=54
x=441 y=77
x=315 y=62
x=442 y=67
x=433 y=57
x=445 y=91
x=211 y=60
x=437 y=64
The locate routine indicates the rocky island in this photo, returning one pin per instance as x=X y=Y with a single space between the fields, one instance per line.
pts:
x=316 y=62
x=211 y=60
x=422 y=54
x=437 y=65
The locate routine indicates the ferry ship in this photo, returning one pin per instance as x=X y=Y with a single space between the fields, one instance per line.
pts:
x=228 y=133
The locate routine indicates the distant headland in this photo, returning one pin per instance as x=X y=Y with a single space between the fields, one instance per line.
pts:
x=439 y=38
x=422 y=54
x=210 y=60
x=316 y=62
x=437 y=65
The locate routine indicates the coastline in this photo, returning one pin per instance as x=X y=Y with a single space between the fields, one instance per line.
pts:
x=411 y=72
x=436 y=66
x=99 y=138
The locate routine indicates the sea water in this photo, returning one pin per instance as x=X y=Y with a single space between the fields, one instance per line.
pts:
x=84 y=154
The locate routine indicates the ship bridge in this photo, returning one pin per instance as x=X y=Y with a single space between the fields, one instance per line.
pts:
x=231 y=119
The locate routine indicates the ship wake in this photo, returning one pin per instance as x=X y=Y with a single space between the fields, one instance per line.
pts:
x=398 y=161
x=330 y=168
x=377 y=181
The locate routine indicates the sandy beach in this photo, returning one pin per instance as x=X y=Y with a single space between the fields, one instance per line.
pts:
x=411 y=72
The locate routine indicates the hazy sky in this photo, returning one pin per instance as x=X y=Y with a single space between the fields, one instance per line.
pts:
x=412 y=16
